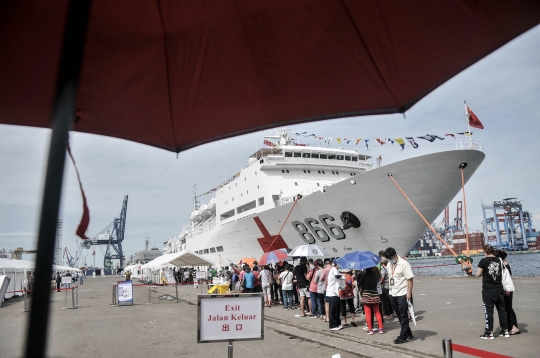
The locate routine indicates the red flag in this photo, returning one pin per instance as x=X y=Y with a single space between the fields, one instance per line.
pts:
x=473 y=119
x=381 y=142
x=268 y=143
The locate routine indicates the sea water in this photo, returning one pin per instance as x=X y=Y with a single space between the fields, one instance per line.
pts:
x=521 y=265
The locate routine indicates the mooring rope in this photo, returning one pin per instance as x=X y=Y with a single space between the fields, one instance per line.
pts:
x=282 y=226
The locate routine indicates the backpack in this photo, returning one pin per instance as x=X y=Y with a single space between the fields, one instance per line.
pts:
x=234 y=277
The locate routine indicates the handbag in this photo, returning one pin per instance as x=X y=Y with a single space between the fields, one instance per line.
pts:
x=507 y=282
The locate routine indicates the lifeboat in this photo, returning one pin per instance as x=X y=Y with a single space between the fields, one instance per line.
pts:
x=195 y=216
x=212 y=205
x=204 y=212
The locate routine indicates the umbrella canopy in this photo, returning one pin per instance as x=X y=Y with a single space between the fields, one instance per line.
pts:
x=273 y=257
x=176 y=74
x=308 y=251
x=247 y=260
x=358 y=260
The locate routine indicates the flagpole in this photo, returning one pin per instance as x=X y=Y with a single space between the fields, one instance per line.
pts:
x=468 y=126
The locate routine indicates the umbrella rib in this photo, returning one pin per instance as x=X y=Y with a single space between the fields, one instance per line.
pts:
x=167 y=68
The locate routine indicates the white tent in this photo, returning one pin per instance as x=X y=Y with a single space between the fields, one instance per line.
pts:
x=16 y=270
x=151 y=269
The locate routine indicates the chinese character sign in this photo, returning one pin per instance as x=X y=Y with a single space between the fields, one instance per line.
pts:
x=224 y=318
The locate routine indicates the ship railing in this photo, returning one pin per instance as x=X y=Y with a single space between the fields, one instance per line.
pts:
x=290 y=199
x=201 y=229
x=467 y=144
x=442 y=270
x=344 y=164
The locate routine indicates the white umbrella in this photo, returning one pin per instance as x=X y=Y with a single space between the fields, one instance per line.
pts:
x=308 y=251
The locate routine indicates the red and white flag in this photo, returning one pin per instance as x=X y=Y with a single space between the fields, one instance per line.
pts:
x=473 y=119
x=268 y=143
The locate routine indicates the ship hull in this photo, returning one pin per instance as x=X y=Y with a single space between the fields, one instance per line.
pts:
x=387 y=218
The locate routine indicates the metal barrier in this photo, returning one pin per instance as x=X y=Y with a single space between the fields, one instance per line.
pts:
x=149 y=298
x=114 y=291
x=73 y=304
x=447 y=347
x=26 y=308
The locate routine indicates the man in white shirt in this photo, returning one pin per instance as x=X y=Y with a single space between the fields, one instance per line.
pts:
x=332 y=296
x=401 y=285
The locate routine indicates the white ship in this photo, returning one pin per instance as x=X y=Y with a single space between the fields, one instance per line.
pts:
x=246 y=214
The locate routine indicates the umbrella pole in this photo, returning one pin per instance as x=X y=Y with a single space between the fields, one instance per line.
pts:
x=63 y=115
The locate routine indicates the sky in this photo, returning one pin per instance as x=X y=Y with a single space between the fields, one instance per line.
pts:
x=502 y=89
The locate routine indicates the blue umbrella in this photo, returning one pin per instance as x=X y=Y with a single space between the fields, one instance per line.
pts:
x=358 y=260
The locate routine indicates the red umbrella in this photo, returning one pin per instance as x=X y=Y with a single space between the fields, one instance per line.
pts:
x=273 y=257
x=176 y=74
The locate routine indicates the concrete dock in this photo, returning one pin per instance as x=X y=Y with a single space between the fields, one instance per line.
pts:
x=448 y=308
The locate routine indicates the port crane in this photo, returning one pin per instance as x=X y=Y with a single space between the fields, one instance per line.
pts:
x=68 y=257
x=111 y=237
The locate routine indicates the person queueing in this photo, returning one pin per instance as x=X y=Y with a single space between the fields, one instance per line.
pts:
x=490 y=269
x=367 y=284
x=346 y=296
x=508 y=298
x=332 y=296
x=287 y=287
x=249 y=279
x=401 y=286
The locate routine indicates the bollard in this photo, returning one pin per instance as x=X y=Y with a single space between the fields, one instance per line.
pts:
x=149 y=299
x=25 y=301
x=440 y=269
x=418 y=274
x=114 y=290
x=447 y=347
x=230 y=350
x=176 y=294
x=77 y=297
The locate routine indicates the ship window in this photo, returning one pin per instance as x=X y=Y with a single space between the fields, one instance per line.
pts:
x=333 y=173
x=319 y=171
x=227 y=215
x=309 y=171
x=314 y=155
x=340 y=157
x=245 y=179
x=226 y=202
x=354 y=159
x=241 y=194
x=283 y=171
x=351 y=174
x=235 y=184
x=255 y=173
x=246 y=207
x=287 y=171
x=304 y=171
x=247 y=191
x=306 y=155
x=347 y=157
x=295 y=183
x=288 y=154
x=324 y=156
x=323 y=171
x=232 y=199
x=213 y=250
x=261 y=201
x=297 y=154
x=205 y=251
x=219 y=249
x=275 y=197
x=337 y=173
x=318 y=184
x=331 y=156
x=257 y=187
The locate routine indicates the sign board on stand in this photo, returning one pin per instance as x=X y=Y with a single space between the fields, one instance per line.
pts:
x=226 y=318
x=66 y=279
x=4 y=283
x=200 y=274
x=125 y=293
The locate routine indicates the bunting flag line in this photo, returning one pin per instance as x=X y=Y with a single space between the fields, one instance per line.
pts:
x=413 y=143
x=473 y=119
x=367 y=140
x=428 y=137
x=401 y=143
x=466 y=133
x=338 y=140
x=451 y=135
x=381 y=142
x=390 y=140
x=358 y=140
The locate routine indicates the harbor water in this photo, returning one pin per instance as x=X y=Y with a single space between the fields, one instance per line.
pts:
x=522 y=265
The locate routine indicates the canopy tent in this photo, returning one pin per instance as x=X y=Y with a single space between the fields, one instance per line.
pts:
x=65 y=268
x=182 y=258
x=176 y=74
x=16 y=270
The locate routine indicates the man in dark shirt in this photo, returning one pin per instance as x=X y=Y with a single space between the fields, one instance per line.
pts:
x=300 y=275
x=490 y=269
